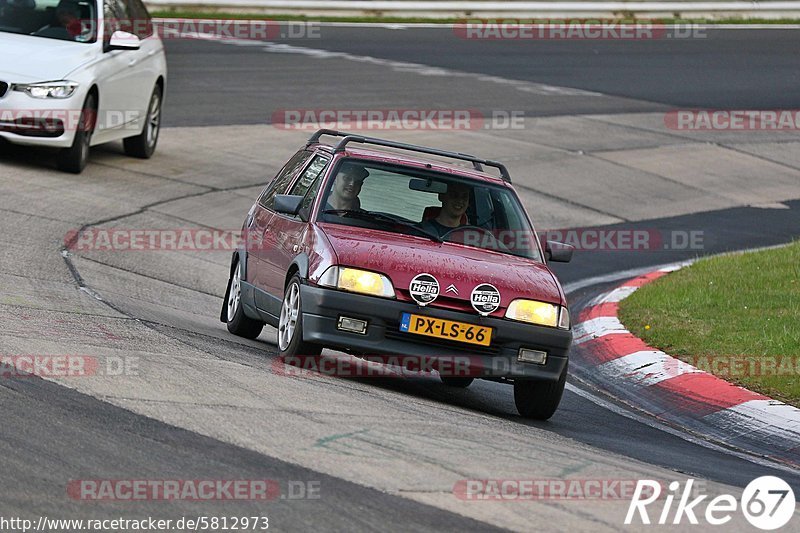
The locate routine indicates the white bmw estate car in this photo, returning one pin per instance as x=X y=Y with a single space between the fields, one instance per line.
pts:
x=78 y=73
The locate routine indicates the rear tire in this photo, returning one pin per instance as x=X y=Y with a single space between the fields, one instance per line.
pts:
x=539 y=399
x=74 y=158
x=144 y=145
x=238 y=323
x=459 y=383
x=290 y=325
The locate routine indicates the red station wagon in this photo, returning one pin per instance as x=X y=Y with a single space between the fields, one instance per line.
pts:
x=367 y=246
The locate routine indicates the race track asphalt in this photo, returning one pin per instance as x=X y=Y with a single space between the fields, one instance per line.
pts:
x=386 y=453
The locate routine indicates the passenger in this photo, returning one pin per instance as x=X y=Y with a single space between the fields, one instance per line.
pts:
x=454 y=208
x=346 y=188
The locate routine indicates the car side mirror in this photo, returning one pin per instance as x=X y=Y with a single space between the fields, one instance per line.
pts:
x=558 y=252
x=122 y=40
x=287 y=204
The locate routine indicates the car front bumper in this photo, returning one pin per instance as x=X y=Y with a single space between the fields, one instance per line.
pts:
x=323 y=307
x=23 y=119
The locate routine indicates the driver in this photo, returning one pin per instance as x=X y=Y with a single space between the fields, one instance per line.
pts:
x=68 y=25
x=454 y=205
x=346 y=188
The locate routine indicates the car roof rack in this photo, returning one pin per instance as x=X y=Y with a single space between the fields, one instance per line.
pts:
x=477 y=163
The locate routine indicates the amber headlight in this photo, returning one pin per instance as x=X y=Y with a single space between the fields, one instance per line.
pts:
x=540 y=313
x=357 y=280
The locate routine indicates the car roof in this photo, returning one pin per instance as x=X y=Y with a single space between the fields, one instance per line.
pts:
x=410 y=160
x=408 y=156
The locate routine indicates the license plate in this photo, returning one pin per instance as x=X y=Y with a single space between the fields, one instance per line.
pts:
x=446 y=329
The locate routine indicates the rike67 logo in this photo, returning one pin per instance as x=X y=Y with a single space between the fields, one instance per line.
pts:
x=767 y=503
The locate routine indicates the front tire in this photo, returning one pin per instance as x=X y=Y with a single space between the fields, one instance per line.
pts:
x=290 y=325
x=144 y=145
x=74 y=158
x=539 y=399
x=238 y=323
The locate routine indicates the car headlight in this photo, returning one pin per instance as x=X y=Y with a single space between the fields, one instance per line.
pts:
x=357 y=280
x=540 y=313
x=48 y=89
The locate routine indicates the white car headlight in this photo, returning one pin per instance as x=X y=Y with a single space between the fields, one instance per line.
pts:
x=357 y=280
x=540 y=313
x=48 y=89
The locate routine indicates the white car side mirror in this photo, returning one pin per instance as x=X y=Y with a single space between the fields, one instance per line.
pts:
x=122 y=40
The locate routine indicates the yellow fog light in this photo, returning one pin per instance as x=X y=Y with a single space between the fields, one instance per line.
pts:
x=357 y=280
x=541 y=313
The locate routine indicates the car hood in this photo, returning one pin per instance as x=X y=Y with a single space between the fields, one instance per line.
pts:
x=401 y=257
x=27 y=59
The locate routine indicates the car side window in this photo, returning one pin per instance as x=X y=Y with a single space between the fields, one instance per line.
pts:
x=284 y=178
x=142 y=25
x=309 y=183
x=116 y=17
x=309 y=177
x=310 y=196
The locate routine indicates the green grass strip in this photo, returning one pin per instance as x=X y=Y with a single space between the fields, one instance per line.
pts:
x=737 y=316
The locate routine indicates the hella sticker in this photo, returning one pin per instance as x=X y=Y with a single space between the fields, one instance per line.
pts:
x=424 y=289
x=485 y=299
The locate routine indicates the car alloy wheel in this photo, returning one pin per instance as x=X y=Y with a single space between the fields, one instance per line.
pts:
x=289 y=313
x=143 y=145
x=235 y=293
x=233 y=310
x=153 y=121
x=290 y=323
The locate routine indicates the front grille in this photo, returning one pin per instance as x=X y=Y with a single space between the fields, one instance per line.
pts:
x=3 y=88
x=443 y=302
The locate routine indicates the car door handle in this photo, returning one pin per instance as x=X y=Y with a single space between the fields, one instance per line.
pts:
x=151 y=53
x=132 y=62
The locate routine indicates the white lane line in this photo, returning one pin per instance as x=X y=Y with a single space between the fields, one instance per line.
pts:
x=597 y=327
x=773 y=413
x=618 y=294
x=667 y=267
x=645 y=368
x=770 y=421
x=617 y=276
x=681 y=434
x=399 y=66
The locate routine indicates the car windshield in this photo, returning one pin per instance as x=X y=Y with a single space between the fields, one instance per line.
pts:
x=66 y=20
x=428 y=205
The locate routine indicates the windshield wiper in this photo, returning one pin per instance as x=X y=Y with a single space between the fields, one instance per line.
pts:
x=381 y=217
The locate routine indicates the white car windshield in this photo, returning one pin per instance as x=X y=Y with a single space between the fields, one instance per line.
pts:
x=430 y=205
x=66 y=20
